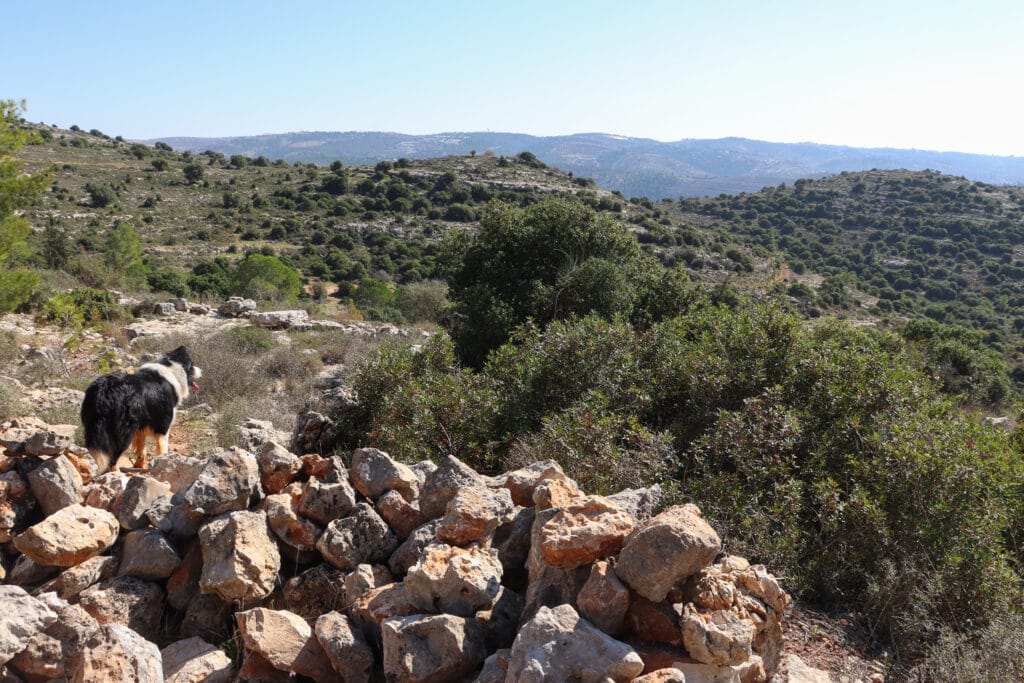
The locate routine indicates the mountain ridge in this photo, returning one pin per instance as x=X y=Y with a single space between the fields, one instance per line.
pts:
x=691 y=167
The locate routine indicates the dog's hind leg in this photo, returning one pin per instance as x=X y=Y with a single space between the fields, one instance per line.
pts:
x=162 y=444
x=139 y=447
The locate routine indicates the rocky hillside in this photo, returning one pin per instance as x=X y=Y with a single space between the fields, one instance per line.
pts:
x=268 y=561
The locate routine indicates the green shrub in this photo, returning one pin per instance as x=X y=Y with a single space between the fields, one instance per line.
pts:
x=265 y=277
x=168 y=280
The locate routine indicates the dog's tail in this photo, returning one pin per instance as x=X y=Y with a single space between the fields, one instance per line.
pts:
x=104 y=424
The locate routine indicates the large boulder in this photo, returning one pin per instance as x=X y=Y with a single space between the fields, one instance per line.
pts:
x=666 y=549
x=431 y=648
x=24 y=618
x=140 y=494
x=49 y=653
x=408 y=553
x=374 y=472
x=557 y=645
x=280 y=320
x=228 y=482
x=240 y=557
x=454 y=580
x=604 y=600
x=148 y=554
x=588 y=529
x=345 y=646
x=237 y=307
x=56 y=484
x=473 y=515
x=286 y=641
x=117 y=653
x=324 y=502
x=716 y=637
x=361 y=537
x=278 y=466
x=441 y=485
x=176 y=470
x=69 y=536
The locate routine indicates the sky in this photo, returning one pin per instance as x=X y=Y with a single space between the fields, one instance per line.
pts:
x=933 y=74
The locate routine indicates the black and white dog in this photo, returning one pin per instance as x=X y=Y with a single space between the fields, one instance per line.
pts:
x=123 y=409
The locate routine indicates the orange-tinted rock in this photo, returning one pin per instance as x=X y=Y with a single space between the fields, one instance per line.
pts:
x=473 y=515
x=657 y=622
x=604 y=600
x=68 y=537
x=555 y=493
x=586 y=530
x=401 y=515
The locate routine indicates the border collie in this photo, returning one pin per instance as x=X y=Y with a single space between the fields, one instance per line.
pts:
x=123 y=409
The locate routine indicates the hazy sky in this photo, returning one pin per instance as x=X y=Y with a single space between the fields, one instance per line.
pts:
x=928 y=74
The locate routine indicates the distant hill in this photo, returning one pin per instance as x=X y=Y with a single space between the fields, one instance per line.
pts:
x=637 y=167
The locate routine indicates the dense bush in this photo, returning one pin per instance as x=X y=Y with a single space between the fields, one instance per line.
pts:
x=825 y=451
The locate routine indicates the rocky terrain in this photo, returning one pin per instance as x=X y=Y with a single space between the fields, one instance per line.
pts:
x=272 y=562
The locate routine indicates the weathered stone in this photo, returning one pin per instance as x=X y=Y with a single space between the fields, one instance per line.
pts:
x=555 y=493
x=117 y=653
x=522 y=482
x=228 y=481
x=408 y=553
x=278 y=466
x=662 y=676
x=172 y=516
x=140 y=493
x=315 y=591
x=135 y=603
x=385 y=602
x=501 y=620
x=495 y=667
x=24 y=618
x=279 y=320
x=549 y=586
x=15 y=504
x=147 y=554
x=253 y=435
x=49 y=653
x=431 y=649
x=604 y=600
x=105 y=491
x=656 y=622
x=801 y=672
x=27 y=572
x=588 y=529
x=402 y=516
x=196 y=661
x=422 y=469
x=68 y=537
x=324 y=502
x=286 y=641
x=56 y=484
x=314 y=433
x=345 y=646
x=361 y=537
x=365 y=578
x=454 y=580
x=183 y=583
x=442 y=484
x=256 y=669
x=512 y=539
x=641 y=503
x=237 y=307
x=208 y=617
x=666 y=549
x=164 y=309
x=717 y=637
x=374 y=472
x=73 y=580
x=293 y=531
x=473 y=515
x=177 y=471
x=32 y=436
x=557 y=645
x=240 y=558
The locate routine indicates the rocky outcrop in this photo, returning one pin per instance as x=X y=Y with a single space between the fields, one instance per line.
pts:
x=365 y=568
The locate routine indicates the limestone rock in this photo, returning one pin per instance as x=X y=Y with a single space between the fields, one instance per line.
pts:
x=801 y=672
x=401 y=515
x=315 y=433
x=454 y=580
x=294 y=531
x=521 y=483
x=381 y=603
x=361 y=537
x=431 y=649
x=196 y=661
x=32 y=436
x=314 y=466
x=76 y=579
x=408 y=553
x=473 y=515
x=24 y=618
x=237 y=307
x=69 y=536
x=315 y=591
x=716 y=637
x=557 y=645
x=588 y=529
x=278 y=466
x=442 y=484
x=56 y=484
x=15 y=504
x=135 y=603
x=555 y=493
x=117 y=653
x=604 y=600
x=177 y=471
x=208 y=617
x=500 y=621
x=662 y=676
x=345 y=646
x=666 y=549
x=105 y=490
x=140 y=493
x=49 y=653
x=641 y=503
x=147 y=554
x=253 y=434
x=279 y=320
x=495 y=667
x=172 y=516
x=183 y=583
x=27 y=572
x=228 y=481
x=240 y=558
x=549 y=586
x=323 y=502
x=374 y=472
x=364 y=579
x=655 y=622
x=512 y=539
x=286 y=641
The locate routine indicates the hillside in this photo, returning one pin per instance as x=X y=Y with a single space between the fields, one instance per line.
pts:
x=635 y=166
